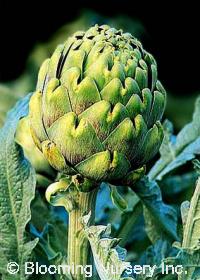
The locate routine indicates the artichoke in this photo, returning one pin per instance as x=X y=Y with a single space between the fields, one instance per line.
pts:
x=31 y=152
x=97 y=105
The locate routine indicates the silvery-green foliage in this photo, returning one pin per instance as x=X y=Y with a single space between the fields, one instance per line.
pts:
x=17 y=190
x=176 y=151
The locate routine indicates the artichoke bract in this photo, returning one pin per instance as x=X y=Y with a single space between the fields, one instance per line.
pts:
x=97 y=105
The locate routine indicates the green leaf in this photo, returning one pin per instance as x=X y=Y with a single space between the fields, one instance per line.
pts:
x=58 y=237
x=184 y=147
x=106 y=251
x=128 y=221
x=44 y=241
x=158 y=251
x=185 y=206
x=189 y=253
x=191 y=234
x=174 y=185
x=47 y=246
x=17 y=184
x=190 y=261
x=154 y=255
x=160 y=218
x=53 y=228
x=117 y=199
x=192 y=227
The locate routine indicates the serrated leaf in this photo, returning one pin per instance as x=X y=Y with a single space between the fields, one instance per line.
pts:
x=189 y=260
x=155 y=254
x=17 y=185
x=176 y=151
x=189 y=253
x=192 y=228
x=107 y=253
x=191 y=236
x=160 y=218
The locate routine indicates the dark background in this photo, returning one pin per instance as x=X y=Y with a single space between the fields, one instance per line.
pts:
x=173 y=35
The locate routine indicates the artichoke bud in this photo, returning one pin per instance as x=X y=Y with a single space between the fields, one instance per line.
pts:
x=23 y=137
x=98 y=104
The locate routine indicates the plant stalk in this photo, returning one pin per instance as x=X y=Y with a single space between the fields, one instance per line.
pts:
x=79 y=253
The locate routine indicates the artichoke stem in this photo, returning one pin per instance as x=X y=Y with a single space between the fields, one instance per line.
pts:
x=79 y=253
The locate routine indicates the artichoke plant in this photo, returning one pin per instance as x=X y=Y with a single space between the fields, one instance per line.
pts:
x=98 y=104
x=95 y=116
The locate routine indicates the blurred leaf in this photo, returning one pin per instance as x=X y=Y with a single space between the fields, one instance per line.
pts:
x=44 y=214
x=51 y=245
x=128 y=223
x=129 y=219
x=160 y=218
x=106 y=212
x=17 y=184
x=174 y=185
x=44 y=241
x=179 y=109
x=184 y=147
x=196 y=163
x=106 y=251
x=158 y=251
x=38 y=207
x=7 y=100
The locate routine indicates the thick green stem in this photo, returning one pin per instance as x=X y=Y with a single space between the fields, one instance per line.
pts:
x=78 y=245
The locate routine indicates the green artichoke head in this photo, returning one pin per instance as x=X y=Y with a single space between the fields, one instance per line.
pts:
x=97 y=105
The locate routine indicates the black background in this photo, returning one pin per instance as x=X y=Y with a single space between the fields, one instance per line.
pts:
x=173 y=34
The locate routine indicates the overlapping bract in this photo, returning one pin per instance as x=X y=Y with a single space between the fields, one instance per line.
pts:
x=97 y=106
